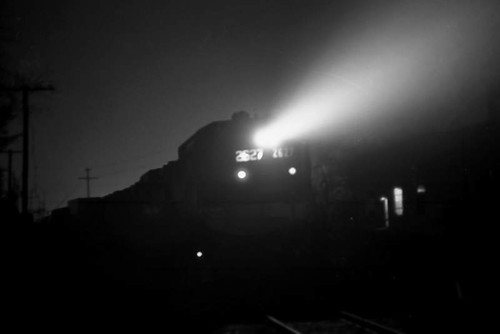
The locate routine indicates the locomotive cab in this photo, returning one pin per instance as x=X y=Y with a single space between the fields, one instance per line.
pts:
x=236 y=187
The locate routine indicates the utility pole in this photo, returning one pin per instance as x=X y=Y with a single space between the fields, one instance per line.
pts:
x=26 y=90
x=10 y=154
x=87 y=178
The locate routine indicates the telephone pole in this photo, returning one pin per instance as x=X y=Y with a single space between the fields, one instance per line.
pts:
x=87 y=178
x=10 y=154
x=26 y=90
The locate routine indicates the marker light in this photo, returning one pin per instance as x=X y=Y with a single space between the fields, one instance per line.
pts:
x=241 y=174
x=421 y=190
x=199 y=254
x=292 y=171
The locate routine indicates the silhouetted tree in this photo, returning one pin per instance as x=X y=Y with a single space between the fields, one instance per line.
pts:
x=7 y=96
x=7 y=103
x=7 y=114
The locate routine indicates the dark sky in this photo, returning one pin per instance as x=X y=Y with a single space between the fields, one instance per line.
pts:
x=134 y=79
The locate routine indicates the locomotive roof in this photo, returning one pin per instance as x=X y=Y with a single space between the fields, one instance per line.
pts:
x=202 y=132
x=239 y=119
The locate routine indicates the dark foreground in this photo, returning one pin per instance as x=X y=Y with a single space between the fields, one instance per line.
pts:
x=61 y=279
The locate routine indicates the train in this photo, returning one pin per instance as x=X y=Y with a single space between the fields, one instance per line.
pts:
x=225 y=181
x=223 y=203
x=231 y=212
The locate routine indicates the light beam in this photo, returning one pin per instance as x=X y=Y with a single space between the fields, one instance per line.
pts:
x=391 y=68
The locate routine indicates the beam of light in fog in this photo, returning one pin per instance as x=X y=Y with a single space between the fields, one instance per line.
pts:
x=268 y=138
x=401 y=57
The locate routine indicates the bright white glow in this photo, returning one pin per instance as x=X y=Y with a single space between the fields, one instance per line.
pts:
x=421 y=189
x=199 y=254
x=292 y=171
x=241 y=174
x=405 y=58
x=267 y=138
x=398 y=201
x=249 y=155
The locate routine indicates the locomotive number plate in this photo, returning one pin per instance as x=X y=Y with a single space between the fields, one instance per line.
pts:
x=256 y=154
x=249 y=155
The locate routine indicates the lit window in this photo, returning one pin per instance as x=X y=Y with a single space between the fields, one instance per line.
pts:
x=292 y=171
x=421 y=189
x=386 y=211
x=398 y=201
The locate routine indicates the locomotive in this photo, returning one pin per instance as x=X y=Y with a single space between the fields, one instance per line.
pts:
x=247 y=209
x=221 y=198
x=227 y=182
x=232 y=212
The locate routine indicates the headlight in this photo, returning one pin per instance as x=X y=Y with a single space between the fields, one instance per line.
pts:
x=267 y=139
x=241 y=174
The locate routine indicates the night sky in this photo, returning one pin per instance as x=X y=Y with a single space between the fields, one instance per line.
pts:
x=134 y=79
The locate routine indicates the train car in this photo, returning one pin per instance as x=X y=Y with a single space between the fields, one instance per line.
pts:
x=228 y=183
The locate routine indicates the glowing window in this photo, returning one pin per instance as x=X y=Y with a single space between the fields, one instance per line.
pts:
x=421 y=189
x=292 y=171
x=386 y=210
x=398 y=201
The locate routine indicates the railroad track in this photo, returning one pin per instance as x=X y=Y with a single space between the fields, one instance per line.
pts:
x=346 y=323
